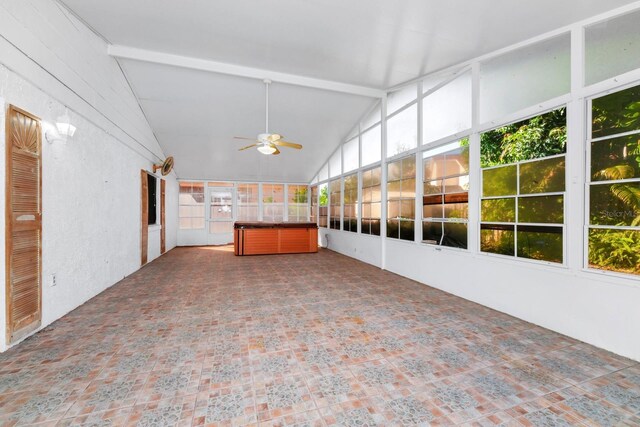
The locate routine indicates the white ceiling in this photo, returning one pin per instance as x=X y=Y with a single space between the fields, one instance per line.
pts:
x=372 y=43
x=195 y=114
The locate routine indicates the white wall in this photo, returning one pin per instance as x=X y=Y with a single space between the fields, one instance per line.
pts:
x=91 y=183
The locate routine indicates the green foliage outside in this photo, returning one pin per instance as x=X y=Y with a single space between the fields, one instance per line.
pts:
x=300 y=195
x=324 y=196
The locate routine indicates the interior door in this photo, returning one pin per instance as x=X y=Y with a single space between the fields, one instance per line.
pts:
x=23 y=223
x=220 y=215
x=144 y=216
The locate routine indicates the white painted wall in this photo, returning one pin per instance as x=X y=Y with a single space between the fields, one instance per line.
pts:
x=363 y=247
x=91 y=183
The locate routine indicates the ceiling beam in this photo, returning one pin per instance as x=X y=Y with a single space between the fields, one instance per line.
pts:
x=126 y=52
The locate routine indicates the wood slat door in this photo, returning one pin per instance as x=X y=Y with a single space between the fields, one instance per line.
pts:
x=23 y=223
x=163 y=229
x=144 y=216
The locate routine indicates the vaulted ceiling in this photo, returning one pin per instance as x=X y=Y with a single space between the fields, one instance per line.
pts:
x=370 y=44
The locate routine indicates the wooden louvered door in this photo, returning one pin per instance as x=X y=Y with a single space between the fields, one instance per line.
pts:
x=23 y=223
x=163 y=229
x=144 y=216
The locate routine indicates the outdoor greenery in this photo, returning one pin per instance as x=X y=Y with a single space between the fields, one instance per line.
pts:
x=615 y=203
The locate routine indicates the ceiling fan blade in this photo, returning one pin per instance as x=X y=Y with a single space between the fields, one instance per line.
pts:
x=248 y=146
x=275 y=152
x=274 y=137
x=243 y=137
x=288 y=144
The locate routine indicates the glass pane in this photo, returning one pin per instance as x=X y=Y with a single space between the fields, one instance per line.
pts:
x=541 y=209
x=398 y=99
x=376 y=176
x=458 y=160
x=541 y=136
x=612 y=47
x=409 y=167
x=542 y=176
x=447 y=110
x=408 y=209
x=197 y=223
x=376 y=194
x=501 y=181
x=375 y=227
x=393 y=170
x=432 y=232
x=455 y=235
x=457 y=184
x=541 y=243
x=366 y=179
x=366 y=194
x=432 y=211
x=617 y=158
x=506 y=80
x=456 y=210
x=323 y=175
x=402 y=131
x=498 y=210
x=393 y=209
x=366 y=210
x=497 y=239
x=393 y=228
x=335 y=164
x=371 y=146
x=615 y=204
x=220 y=184
x=351 y=155
x=376 y=210
x=615 y=250
x=433 y=167
x=406 y=230
x=408 y=188
x=616 y=113
x=433 y=187
x=393 y=189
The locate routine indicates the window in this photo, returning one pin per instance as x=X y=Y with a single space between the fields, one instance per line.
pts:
x=351 y=154
x=612 y=47
x=445 y=201
x=334 y=204
x=402 y=131
x=506 y=81
x=191 y=205
x=272 y=202
x=447 y=111
x=298 y=207
x=523 y=184
x=335 y=164
x=323 y=175
x=371 y=145
x=398 y=99
x=323 y=203
x=350 y=221
x=314 y=204
x=247 y=202
x=614 y=183
x=371 y=201
x=152 y=195
x=401 y=198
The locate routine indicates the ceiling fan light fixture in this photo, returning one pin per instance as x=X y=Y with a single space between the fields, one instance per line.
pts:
x=267 y=149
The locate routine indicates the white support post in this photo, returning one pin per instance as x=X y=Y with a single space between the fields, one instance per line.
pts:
x=474 y=163
x=383 y=183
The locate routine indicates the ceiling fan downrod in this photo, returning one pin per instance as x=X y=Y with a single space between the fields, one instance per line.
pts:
x=267 y=82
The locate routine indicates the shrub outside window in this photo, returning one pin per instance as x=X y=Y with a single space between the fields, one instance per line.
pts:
x=523 y=185
x=613 y=230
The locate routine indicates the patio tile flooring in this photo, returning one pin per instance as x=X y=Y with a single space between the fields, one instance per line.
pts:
x=201 y=337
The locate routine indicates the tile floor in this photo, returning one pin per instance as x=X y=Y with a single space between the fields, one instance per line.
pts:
x=200 y=337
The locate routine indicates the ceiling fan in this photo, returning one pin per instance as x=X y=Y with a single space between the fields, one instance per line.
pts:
x=268 y=143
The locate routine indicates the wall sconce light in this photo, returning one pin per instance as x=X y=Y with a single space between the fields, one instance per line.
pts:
x=64 y=130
